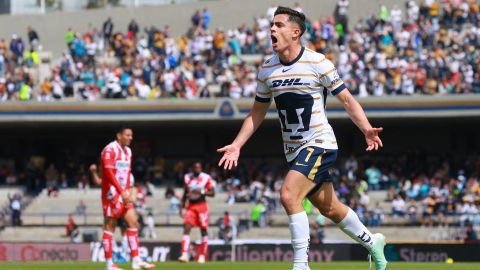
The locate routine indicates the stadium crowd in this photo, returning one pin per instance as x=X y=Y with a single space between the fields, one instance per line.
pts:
x=426 y=49
x=421 y=189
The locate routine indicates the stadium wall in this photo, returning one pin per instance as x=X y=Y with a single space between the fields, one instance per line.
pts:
x=228 y=14
x=164 y=110
x=161 y=252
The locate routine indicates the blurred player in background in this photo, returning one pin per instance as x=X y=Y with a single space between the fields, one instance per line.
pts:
x=197 y=185
x=299 y=80
x=116 y=160
x=97 y=180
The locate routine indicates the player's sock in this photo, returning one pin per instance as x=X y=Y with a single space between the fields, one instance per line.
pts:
x=204 y=246
x=125 y=248
x=353 y=227
x=300 y=233
x=132 y=234
x=107 y=240
x=185 y=243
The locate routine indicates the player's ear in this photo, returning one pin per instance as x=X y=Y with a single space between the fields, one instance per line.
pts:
x=296 y=33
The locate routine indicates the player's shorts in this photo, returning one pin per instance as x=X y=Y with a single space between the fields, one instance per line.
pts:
x=115 y=209
x=197 y=215
x=314 y=162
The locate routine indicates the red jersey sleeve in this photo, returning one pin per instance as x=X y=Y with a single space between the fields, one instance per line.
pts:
x=108 y=158
x=209 y=184
x=108 y=170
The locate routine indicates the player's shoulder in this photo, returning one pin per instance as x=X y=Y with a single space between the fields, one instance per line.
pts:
x=312 y=57
x=205 y=175
x=319 y=61
x=268 y=67
x=109 y=147
x=270 y=62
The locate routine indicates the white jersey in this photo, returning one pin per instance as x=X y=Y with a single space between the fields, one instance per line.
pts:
x=299 y=89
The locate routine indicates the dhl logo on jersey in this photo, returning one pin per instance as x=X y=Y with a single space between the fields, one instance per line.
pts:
x=288 y=82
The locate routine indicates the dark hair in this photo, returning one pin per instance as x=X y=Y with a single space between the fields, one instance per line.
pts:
x=121 y=129
x=293 y=16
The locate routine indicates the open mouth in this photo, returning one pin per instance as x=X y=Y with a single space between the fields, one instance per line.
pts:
x=274 y=39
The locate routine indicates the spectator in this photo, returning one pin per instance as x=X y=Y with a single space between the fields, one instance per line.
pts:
x=258 y=214
x=81 y=208
x=319 y=227
x=225 y=230
x=398 y=206
x=470 y=234
x=69 y=227
x=205 y=19
x=16 y=209
x=151 y=226
x=33 y=38
x=373 y=174
x=108 y=30
x=132 y=30
x=75 y=234
x=242 y=195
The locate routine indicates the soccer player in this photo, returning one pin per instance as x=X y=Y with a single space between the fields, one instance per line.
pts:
x=97 y=180
x=197 y=185
x=116 y=159
x=299 y=79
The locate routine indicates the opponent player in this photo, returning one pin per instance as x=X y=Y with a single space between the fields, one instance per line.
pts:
x=97 y=180
x=299 y=79
x=116 y=197
x=197 y=185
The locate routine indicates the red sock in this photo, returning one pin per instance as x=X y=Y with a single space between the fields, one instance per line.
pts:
x=185 y=243
x=107 y=240
x=204 y=246
x=132 y=234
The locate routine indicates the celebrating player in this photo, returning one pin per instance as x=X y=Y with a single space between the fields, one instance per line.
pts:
x=198 y=185
x=116 y=197
x=298 y=79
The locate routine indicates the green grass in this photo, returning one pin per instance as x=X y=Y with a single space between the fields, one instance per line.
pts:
x=240 y=266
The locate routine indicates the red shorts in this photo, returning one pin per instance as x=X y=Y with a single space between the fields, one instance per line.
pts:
x=115 y=209
x=197 y=215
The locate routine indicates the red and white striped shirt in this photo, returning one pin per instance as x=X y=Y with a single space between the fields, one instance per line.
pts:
x=201 y=182
x=116 y=166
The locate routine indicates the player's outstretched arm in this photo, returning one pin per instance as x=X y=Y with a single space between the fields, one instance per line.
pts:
x=231 y=152
x=356 y=113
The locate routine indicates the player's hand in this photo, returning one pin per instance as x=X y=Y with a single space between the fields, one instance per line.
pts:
x=230 y=156
x=93 y=168
x=180 y=212
x=372 y=139
x=126 y=197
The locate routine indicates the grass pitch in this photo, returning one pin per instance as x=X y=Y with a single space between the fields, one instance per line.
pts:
x=239 y=266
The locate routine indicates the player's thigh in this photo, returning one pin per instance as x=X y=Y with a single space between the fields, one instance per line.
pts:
x=131 y=218
x=309 y=170
x=203 y=216
x=191 y=216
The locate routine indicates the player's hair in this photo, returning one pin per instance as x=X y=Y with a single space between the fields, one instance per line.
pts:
x=293 y=16
x=121 y=129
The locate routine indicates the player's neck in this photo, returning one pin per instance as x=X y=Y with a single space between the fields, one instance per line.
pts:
x=291 y=54
x=121 y=145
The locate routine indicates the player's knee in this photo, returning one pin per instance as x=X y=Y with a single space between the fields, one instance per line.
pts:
x=288 y=199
